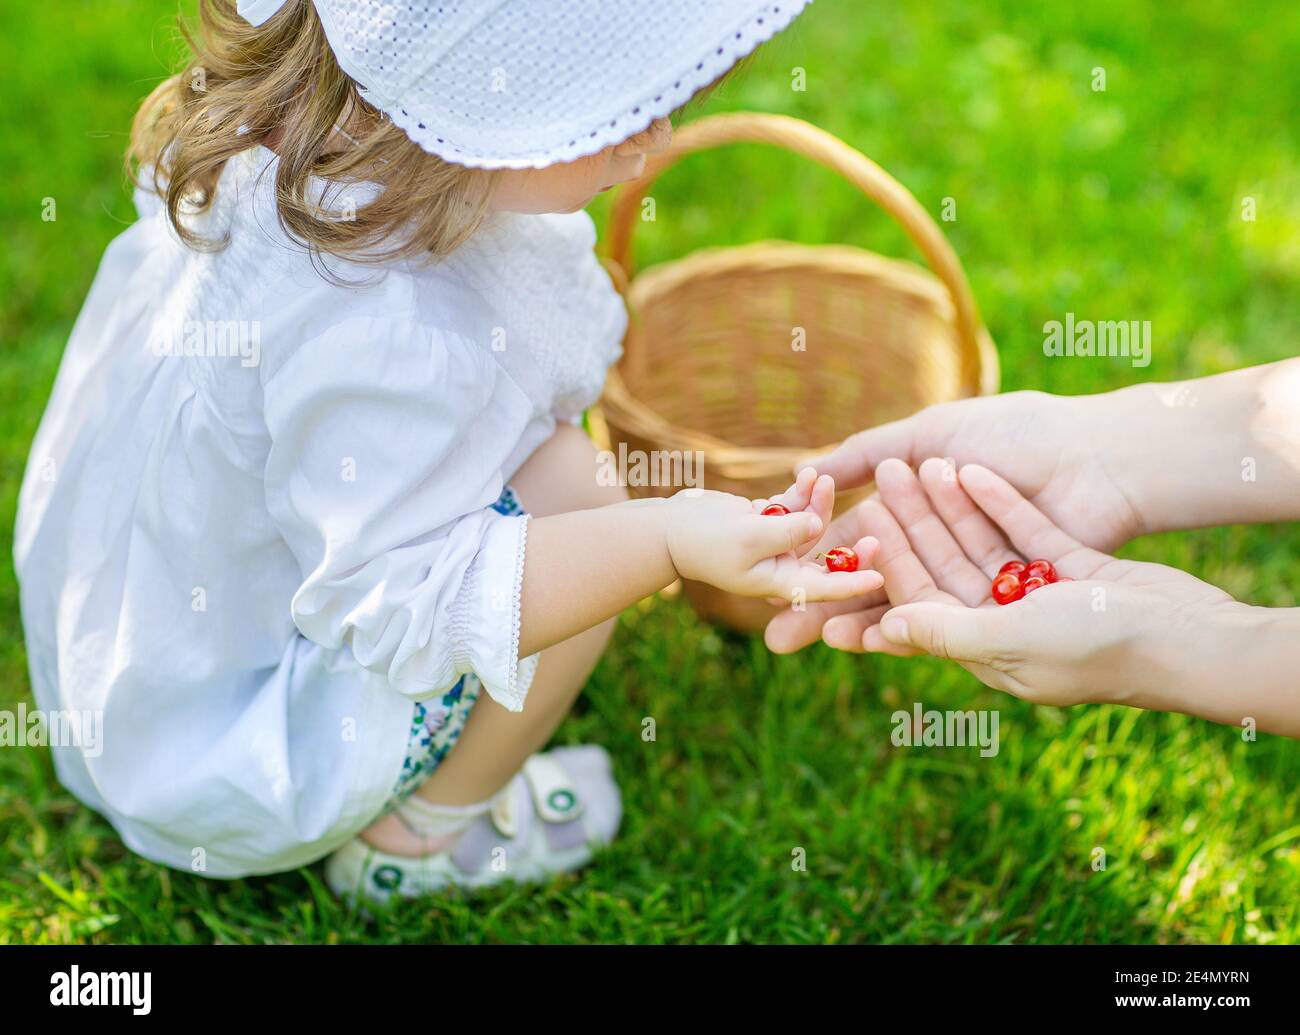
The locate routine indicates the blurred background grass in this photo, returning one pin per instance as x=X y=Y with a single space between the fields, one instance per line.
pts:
x=1122 y=204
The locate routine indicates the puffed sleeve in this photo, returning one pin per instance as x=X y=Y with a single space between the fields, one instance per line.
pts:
x=388 y=441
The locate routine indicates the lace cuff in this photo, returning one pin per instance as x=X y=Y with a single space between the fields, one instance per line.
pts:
x=485 y=616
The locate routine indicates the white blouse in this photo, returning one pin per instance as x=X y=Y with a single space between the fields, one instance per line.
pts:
x=256 y=524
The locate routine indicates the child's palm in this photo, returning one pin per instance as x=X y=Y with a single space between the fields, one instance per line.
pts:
x=726 y=541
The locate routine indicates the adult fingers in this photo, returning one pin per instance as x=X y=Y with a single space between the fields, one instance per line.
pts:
x=978 y=537
x=931 y=541
x=844 y=632
x=874 y=642
x=906 y=578
x=792 y=630
x=854 y=461
x=1030 y=531
x=979 y=635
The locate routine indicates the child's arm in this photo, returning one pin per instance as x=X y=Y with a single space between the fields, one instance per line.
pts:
x=388 y=439
x=583 y=567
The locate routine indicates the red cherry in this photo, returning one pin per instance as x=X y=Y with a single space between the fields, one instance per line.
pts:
x=1007 y=588
x=776 y=508
x=1041 y=570
x=841 y=558
x=1012 y=567
x=1034 y=582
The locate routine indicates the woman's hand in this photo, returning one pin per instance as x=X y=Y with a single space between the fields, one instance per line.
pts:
x=1124 y=632
x=724 y=540
x=1120 y=632
x=1144 y=635
x=1050 y=442
x=1056 y=450
x=1106 y=468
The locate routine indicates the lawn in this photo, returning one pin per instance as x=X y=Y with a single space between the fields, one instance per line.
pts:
x=1123 y=203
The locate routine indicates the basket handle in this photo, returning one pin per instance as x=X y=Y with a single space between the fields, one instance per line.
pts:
x=816 y=144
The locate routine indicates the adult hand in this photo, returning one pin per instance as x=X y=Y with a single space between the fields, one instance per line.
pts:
x=1057 y=447
x=1103 y=468
x=1056 y=450
x=1122 y=632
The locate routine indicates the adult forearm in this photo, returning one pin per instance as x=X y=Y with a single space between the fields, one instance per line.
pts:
x=1214 y=451
x=1238 y=666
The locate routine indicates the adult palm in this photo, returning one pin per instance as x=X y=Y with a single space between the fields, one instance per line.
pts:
x=1060 y=452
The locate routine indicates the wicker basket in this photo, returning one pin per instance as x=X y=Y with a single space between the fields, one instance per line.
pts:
x=712 y=360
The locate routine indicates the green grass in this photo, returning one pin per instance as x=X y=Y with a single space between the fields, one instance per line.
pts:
x=1118 y=204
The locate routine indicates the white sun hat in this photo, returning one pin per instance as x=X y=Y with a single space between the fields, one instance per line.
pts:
x=528 y=83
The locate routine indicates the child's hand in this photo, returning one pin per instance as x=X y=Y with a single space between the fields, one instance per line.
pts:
x=810 y=492
x=724 y=540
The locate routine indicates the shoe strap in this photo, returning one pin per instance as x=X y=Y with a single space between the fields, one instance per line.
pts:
x=503 y=813
x=555 y=798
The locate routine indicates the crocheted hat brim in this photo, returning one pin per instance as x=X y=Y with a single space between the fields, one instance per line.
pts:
x=527 y=85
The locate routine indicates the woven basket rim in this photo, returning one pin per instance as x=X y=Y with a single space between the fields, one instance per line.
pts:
x=662 y=279
x=778 y=256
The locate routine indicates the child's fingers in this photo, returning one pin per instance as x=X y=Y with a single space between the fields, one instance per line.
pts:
x=841 y=585
x=797 y=496
x=930 y=538
x=774 y=534
x=822 y=498
x=843 y=529
x=970 y=526
x=867 y=549
x=801 y=491
x=821 y=501
x=808 y=583
x=1029 y=530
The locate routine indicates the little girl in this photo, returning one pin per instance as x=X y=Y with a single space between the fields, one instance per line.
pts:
x=275 y=530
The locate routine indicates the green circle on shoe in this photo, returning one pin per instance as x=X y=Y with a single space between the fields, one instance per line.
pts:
x=387 y=877
x=561 y=800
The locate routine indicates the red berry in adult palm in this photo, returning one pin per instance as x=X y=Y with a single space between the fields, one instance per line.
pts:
x=776 y=508
x=1006 y=588
x=841 y=558
x=1034 y=582
x=1041 y=570
x=1012 y=568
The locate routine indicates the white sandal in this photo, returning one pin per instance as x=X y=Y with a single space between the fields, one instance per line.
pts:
x=541 y=824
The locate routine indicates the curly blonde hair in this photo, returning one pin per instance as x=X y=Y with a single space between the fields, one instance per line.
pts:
x=279 y=85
